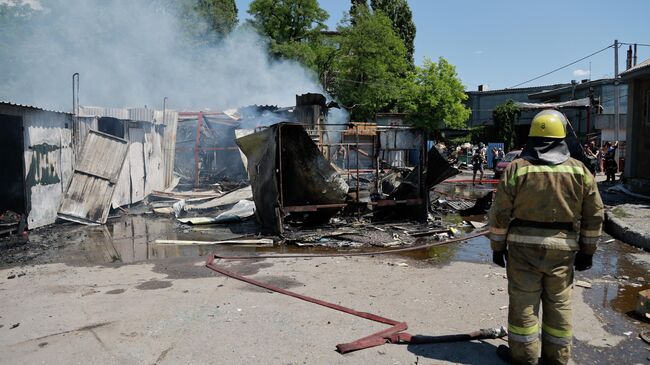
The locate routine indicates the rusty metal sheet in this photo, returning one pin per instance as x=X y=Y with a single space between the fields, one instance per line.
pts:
x=287 y=169
x=91 y=188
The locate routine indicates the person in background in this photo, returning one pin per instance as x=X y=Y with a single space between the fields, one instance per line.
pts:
x=546 y=219
x=483 y=151
x=611 y=167
x=478 y=159
x=603 y=153
x=592 y=159
x=342 y=156
x=599 y=159
x=495 y=157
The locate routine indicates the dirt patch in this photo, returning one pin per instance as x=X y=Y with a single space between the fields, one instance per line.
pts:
x=154 y=285
x=284 y=282
x=115 y=291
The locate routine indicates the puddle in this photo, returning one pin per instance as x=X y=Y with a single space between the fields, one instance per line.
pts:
x=122 y=240
x=613 y=301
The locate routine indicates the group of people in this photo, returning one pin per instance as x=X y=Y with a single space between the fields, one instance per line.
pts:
x=479 y=158
x=602 y=159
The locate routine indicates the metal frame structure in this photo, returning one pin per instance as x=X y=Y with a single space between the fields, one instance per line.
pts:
x=375 y=173
x=197 y=145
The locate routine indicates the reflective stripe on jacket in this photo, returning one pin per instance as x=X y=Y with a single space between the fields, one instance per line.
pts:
x=547 y=193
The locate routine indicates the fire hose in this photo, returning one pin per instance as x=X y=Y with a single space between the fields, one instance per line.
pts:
x=395 y=334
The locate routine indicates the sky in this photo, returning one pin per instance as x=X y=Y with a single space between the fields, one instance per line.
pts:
x=502 y=43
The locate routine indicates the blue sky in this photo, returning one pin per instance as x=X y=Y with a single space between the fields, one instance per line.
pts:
x=502 y=43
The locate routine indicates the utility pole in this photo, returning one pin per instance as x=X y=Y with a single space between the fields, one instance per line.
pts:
x=616 y=96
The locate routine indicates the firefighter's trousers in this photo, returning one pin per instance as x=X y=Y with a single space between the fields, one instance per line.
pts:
x=534 y=274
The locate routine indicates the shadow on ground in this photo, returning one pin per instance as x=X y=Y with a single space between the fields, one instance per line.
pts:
x=474 y=352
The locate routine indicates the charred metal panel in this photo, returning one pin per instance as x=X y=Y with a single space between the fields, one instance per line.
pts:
x=307 y=177
x=89 y=195
x=287 y=169
x=261 y=151
x=438 y=169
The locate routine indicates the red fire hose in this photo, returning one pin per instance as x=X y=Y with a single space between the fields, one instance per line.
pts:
x=394 y=334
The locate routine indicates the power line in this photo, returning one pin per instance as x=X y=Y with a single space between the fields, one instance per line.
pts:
x=563 y=67
x=637 y=44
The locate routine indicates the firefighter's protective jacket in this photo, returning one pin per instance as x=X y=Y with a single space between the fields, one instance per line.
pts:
x=563 y=193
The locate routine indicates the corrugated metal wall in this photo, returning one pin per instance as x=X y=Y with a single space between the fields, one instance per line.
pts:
x=90 y=192
x=48 y=160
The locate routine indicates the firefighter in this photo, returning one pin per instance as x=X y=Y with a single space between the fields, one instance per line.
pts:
x=546 y=218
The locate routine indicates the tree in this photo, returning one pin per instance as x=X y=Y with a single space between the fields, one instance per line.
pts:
x=294 y=29
x=401 y=17
x=356 y=7
x=370 y=67
x=286 y=21
x=505 y=116
x=208 y=20
x=438 y=97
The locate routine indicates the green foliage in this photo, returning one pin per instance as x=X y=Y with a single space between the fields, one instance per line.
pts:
x=286 y=21
x=505 y=116
x=294 y=30
x=208 y=20
x=356 y=7
x=401 y=17
x=437 y=100
x=370 y=68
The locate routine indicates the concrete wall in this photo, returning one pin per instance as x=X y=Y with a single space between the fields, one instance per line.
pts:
x=637 y=165
x=48 y=157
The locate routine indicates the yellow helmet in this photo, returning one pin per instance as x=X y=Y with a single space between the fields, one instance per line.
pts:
x=548 y=123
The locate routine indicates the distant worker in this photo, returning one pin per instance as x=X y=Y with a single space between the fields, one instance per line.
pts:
x=478 y=159
x=342 y=157
x=495 y=157
x=591 y=156
x=610 y=162
x=543 y=200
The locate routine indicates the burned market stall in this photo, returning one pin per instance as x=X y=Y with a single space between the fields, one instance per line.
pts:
x=36 y=150
x=205 y=148
x=385 y=172
x=141 y=144
x=289 y=174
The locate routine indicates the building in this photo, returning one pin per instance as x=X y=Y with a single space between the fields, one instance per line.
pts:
x=595 y=123
x=483 y=102
x=637 y=165
x=36 y=150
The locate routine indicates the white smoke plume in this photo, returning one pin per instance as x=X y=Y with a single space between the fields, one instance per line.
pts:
x=134 y=53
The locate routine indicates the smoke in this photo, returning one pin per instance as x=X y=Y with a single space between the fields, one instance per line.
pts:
x=134 y=53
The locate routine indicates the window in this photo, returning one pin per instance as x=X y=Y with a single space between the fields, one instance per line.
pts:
x=112 y=126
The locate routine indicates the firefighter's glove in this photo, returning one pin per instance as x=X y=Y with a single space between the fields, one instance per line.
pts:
x=500 y=257
x=583 y=261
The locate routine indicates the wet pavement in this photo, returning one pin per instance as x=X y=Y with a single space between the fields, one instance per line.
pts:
x=123 y=240
x=620 y=271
